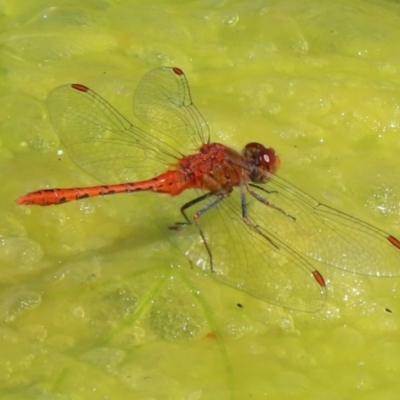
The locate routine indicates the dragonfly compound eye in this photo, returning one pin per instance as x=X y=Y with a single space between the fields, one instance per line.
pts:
x=268 y=160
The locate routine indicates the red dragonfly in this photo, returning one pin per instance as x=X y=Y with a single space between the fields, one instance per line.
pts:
x=255 y=231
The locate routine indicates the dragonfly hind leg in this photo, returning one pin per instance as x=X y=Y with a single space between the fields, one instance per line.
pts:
x=185 y=207
x=218 y=198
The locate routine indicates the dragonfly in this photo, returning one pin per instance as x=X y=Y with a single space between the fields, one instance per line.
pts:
x=251 y=228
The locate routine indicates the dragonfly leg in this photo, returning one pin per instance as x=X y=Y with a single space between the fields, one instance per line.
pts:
x=263 y=188
x=218 y=198
x=245 y=217
x=265 y=201
x=186 y=206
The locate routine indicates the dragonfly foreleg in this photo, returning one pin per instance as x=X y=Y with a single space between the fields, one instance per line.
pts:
x=245 y=217
x=263 y=200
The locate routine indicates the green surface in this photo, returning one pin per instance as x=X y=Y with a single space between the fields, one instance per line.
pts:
x=96 y=302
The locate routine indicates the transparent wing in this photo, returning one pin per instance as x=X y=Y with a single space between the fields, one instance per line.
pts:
x=325 y=234
x=105 y=144
x=100 y=140
x=267 y=269
x=162 y=101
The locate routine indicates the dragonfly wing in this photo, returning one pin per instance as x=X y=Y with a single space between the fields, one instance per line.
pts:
x=162 y=100
x=326 y=234
x=267 y=269
x=100 y=140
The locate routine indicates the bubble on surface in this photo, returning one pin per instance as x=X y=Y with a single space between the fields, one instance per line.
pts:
x=85 y=270
x=14 y=304
x=231 y=20
x=104 y=357
x=115 y=305
x=120 y=302
x=20 y=251
x=174 y=316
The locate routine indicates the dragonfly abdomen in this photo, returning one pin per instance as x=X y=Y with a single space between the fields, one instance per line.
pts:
x=171 y=182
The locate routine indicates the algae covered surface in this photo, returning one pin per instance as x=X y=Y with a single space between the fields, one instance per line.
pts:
x=97 y=301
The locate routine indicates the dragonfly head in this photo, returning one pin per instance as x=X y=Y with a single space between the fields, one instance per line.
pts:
x=262 y=162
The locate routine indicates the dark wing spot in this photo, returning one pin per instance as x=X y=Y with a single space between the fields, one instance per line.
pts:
x=81 y=88
x=177 y=71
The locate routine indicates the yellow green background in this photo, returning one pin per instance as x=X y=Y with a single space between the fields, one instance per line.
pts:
x=95 y=301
